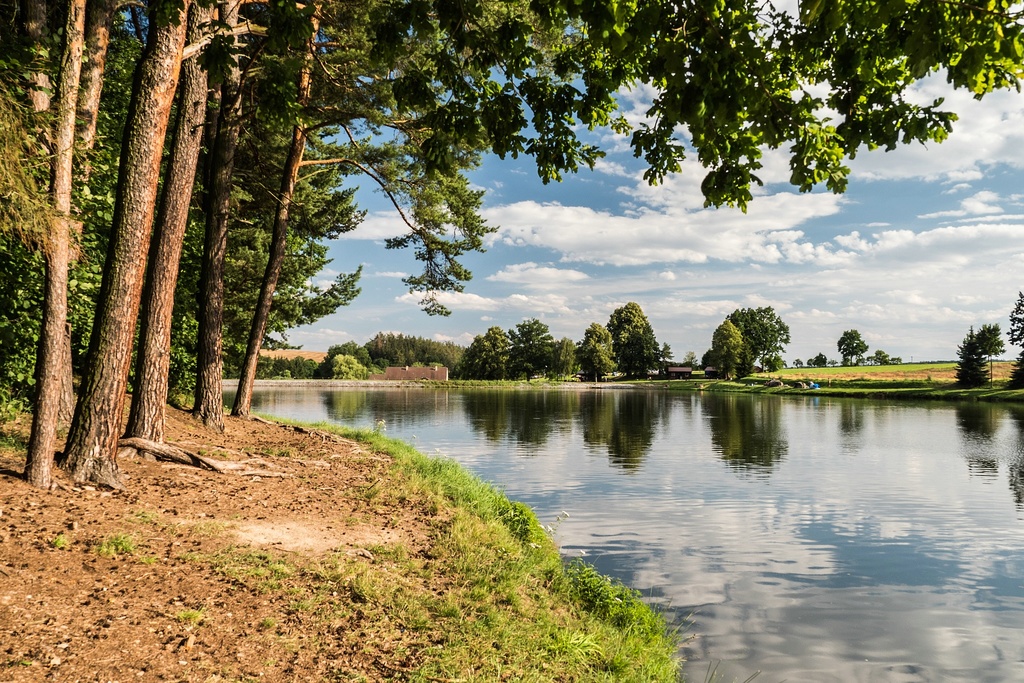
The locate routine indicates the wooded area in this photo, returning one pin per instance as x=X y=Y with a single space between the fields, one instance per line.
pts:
x=224 y=141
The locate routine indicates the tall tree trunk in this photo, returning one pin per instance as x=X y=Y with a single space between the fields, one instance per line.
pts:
x=34 y=25
x=99 y=15
x=92 y=443
x=98 y=20
x=50 y=361
x=152 y=365
x=209 y=395
x=278 y=246
x=145 y=419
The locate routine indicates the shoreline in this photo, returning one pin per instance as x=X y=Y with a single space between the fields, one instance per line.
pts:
x=346 y=555
x=885 y=390
x=231 y=384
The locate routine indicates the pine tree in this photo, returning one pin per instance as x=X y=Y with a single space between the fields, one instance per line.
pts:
x=1017 y=374
x=1017 y=339
x=972 y=370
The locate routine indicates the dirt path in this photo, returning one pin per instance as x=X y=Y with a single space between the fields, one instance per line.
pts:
x=167 y=580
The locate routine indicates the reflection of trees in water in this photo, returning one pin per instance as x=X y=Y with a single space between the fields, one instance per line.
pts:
x=747 y=431
x=1016 y=474
x=522 y=416
x=851 y=419
x=623 y=422
x=978 y=424
x=345 y=405
x=363 y=408
x=977 y=421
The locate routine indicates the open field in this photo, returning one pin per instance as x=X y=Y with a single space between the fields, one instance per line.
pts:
x=922 y=372
x=288 y=354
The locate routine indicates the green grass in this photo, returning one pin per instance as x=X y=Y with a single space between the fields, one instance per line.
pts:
x=865 y=370
x=860 y=382
x=146 y=517
x=116 y=545
x=490 y=599
x=258 y=570
x=190 y=617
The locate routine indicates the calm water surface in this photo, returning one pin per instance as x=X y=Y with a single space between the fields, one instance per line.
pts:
x=809 y=539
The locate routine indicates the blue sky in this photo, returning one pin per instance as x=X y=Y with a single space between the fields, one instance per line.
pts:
x=926 y=242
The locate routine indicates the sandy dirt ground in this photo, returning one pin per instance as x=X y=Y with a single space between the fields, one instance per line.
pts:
x=70 y=610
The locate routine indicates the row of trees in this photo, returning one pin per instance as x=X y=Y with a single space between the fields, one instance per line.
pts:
x=852 y=348
x=218 y=138
x=353 y=361
x=746 y=338
x=627 y=345
x=975 y=353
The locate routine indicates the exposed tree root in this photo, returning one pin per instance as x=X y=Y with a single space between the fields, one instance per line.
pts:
x=170 y=453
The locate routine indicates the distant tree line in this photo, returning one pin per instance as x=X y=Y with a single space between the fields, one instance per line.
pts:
x=749 y=339
x=627 y=344
x=387 y=349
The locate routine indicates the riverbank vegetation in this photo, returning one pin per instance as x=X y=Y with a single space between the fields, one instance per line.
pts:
x=177 y=168
x=353 y=557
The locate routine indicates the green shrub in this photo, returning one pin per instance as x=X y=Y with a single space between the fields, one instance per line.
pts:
x=611 y=601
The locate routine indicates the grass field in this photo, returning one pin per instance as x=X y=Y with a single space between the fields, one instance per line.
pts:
x=920 y=372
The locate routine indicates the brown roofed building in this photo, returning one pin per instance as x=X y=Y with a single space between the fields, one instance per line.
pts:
x=436 y=373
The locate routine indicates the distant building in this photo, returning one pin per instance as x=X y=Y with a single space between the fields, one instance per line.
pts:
x=710 y=373
x=436 y=373
x=675 y=372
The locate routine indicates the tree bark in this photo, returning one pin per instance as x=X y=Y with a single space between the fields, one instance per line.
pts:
x=92 y=442
x=51 y=365
x=152 y=365
x=209 y=394
x=278 y=246
x=99 y=17
x=34 y=26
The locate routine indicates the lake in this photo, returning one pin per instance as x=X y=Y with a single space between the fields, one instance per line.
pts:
x=806 y=538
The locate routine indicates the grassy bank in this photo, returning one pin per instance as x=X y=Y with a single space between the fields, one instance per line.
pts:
x=920 y=381
x=513 y=609
x=348 y=557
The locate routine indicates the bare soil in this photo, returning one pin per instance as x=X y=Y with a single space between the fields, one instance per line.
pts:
x=69 y=612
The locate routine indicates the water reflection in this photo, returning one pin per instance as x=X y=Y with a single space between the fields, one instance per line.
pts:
x=978 y=425
x=622 y=423
x=977 y=422
x=1016 y=474
x=526 y=418
x=882 y=547
x=343 y=406
x=747 y=431
x=851 y=419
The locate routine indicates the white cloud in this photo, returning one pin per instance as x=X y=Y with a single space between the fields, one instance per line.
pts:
x=981 y=203
x=533 y=275
x=667 y=224
x=377 y=226
x=464 y=301
x=988 y=132
x=464 y=339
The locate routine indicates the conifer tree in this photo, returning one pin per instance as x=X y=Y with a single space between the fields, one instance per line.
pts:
x=1017 y=339
x=972 y=369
